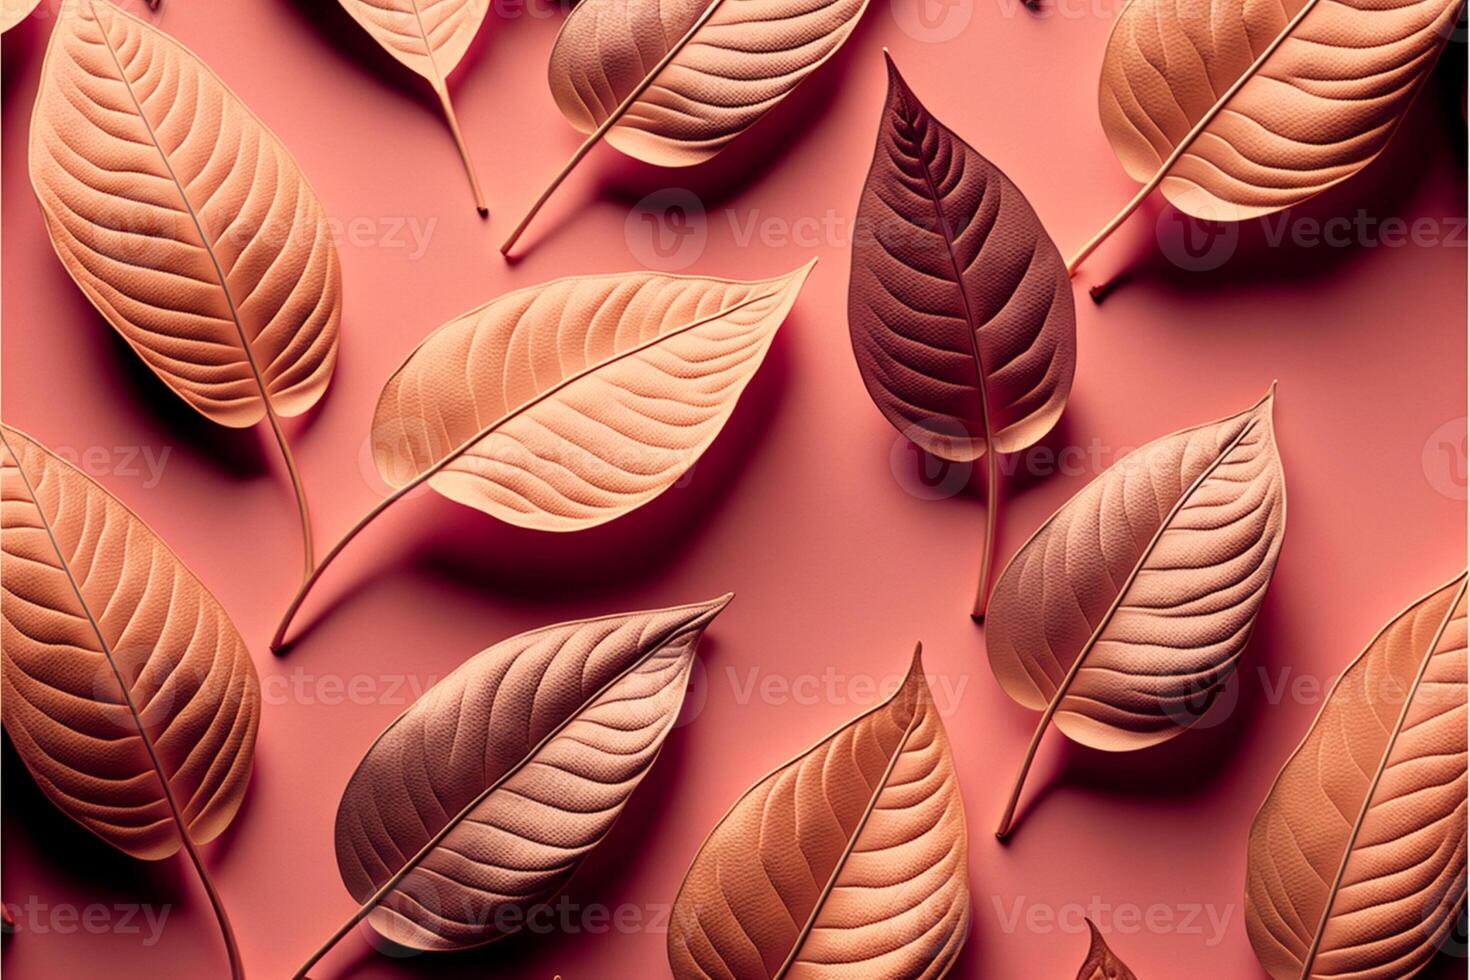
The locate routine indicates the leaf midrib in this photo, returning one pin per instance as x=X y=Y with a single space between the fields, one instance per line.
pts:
x=699 y=621
x=208 y=245
x=1220 y=104
x=1310 y=959
x=542 y=396
x=1143 y=557
x=972 y=325
x=857 y=831
x=102 y=641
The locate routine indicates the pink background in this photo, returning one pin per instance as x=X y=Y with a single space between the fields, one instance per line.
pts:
x=800 y=508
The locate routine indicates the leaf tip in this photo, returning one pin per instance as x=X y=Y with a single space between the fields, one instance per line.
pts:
x=916 y=664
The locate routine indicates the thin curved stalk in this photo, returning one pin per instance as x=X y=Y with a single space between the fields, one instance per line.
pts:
x=232 y=949
x=607 y=124
x=303 y=509
x=992 y=502
x=441 y=90
x=1006 y=818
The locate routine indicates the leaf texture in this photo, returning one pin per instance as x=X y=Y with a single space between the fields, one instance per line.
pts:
x=1102 y=963
x=1132 y=604
x=565 y=405
x=428 y=36
x=183 y=219
x=1356 y=862
x=93 y=600
x=480 y=801
x=959 y=306
x=12 y=12
x=1248 y=108
x=848 y=861
x=698 y=72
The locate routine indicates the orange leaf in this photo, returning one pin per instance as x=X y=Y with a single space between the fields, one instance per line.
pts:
x=1131 y=606
x=849 y=860
x=1356 y=861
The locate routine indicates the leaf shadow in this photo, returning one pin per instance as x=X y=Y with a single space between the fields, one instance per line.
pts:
x=747 y=160
x=1175 y=775
x=87 y=864
x=581 y=905
x=1179 y=254
x=461 y=550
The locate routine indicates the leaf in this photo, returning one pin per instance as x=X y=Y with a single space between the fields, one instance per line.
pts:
x=1102 y=963
x=1235 y=110
x=672 y=83
x=185 y=222
x=429 y=37
x=12 y=12
x=1356 y=862
x=567 y=404
x=1126 y=612
x=128 y=693
x=849 y=860
x=481 y=800
x=959 y=306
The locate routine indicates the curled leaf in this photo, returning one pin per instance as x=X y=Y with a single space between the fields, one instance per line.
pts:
x=959 y=306
x=128 y=693
x=565 y=405
x=481 y=800
x=1102 y=963
x=1356 y=860
x=1126 y=612
x=185 y=222
x=429 y=37
x=672 y=83
x=1234 y=109
x=847 y=861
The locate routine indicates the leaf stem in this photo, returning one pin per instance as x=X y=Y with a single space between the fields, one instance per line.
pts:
x=556 y=181
x=442 y=90
x=992 y=503
x=299 y=488
x=612 y=120
x=1112 y=226
x=279 y=639
x=1004 y=829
